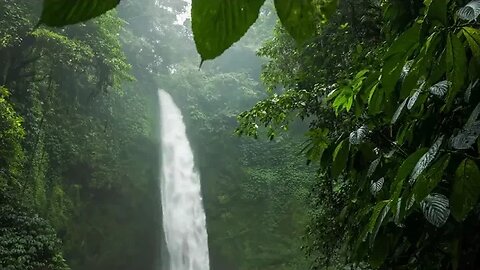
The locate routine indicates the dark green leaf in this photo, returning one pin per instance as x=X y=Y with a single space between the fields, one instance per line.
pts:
x=466 y=189
x=64 y=12
x=456 y=66
x=426 y=159
x=298 y=17
x=397 y=55
x=217 y=24
x=429 y=180
x=340 y=158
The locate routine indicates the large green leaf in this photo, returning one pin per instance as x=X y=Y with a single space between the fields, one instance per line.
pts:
x=64 y=12
x=217 y=24
x=402 y=173
x=466 y=189
x=429 y=180
x=340 y=158
x=473 y=37
x=456 y=61
x=397 y=55
x=437 y=11
x=425 y=160
x=298 y=17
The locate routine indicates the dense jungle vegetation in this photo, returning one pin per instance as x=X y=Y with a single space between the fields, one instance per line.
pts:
x=365 y=115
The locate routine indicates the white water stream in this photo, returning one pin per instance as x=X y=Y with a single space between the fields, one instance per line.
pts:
x=184 y=222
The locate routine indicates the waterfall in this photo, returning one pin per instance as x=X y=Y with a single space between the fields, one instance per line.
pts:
x=184 y=222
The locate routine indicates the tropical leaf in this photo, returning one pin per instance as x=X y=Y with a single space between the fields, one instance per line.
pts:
x=64 y=12
x=456 y=60
x=413 y=99
x=468 y=92
x=376 y=186
x=472 y=36
x=466 y=189
x=440 y=89
x=217 y=24
x=399 y=111
x=298 y=17
x=436 y=209
x=397 y=55
x=358 y=136
x=470 y=11
x=473 y=116
x=374 y=222
x=427 y=182
x=425 y=160
x=373 y=166
x=467 y=136
x=340 y=158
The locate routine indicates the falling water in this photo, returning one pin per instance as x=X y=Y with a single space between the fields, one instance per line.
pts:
x=183 y=215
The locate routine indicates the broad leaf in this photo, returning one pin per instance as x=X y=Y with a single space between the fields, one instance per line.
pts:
x=358 y=136
x=376 y=186
x=397 y=55
x=436 y=209
x=440 y=89
x=429 y=180
x=298 y=17
x=456 y=61
x=217 y=24
x=473 y=37
x=65 y=12
x=413 y=99
x=437 y=11
x=399 y=111
x=425 y=160
x=466 y=189
x=340 y=158
x=373 y=166
x=374 y=219
x=470 y=11
x=467 y=136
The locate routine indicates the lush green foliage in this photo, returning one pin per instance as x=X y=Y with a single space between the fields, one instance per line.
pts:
x=394 y=129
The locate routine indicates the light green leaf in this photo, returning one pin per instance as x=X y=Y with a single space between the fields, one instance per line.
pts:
x=64 y=12
x=298 y=17
x=340 y=158
x=473 y=38
x=217 y=24
x=466 y=189
x=470 y=11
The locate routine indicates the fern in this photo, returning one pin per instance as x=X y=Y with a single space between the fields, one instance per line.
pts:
x=470 y=11
x=436 y=209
